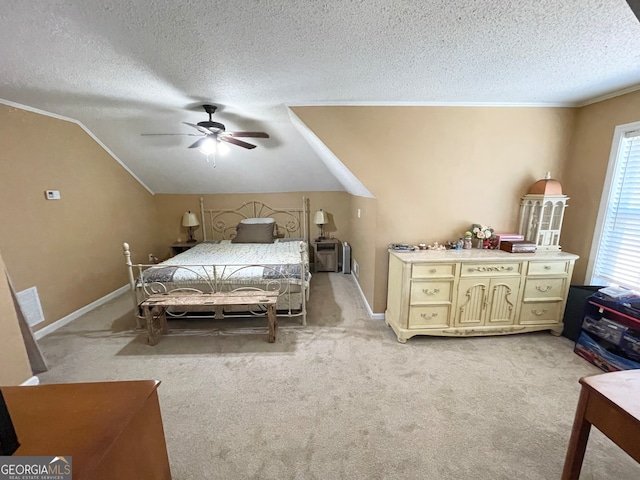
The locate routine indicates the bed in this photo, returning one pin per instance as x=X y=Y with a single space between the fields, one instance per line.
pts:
x=252 y=247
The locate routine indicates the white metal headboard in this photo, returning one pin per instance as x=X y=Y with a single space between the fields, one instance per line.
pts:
x=220 y=224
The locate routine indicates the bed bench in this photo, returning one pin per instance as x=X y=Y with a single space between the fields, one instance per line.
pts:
x=155 y=307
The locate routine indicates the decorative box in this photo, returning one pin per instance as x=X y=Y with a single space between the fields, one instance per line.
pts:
x=605 y=329
x=509 y=237
x=630 y=344
x=518 y=246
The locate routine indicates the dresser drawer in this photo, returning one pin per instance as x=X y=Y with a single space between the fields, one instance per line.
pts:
x=433 y=316
x=433 y=270
x=548 y=268
x=547 y=288
x=540 y=312
x=433 y=291
x=493 y=269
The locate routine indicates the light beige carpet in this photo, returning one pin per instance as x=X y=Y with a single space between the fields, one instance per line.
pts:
x=341 y=398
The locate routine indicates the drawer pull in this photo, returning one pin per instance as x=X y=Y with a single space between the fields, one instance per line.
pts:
x=491 y=269
x=537 y=313
x=547 y=267
x=542 y=289
x=432 y=292
x=427 y=317
x=433 y=270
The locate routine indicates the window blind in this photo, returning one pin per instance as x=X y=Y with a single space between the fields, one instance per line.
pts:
x=618 y=258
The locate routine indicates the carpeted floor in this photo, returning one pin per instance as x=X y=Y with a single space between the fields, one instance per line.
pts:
x=341 y=398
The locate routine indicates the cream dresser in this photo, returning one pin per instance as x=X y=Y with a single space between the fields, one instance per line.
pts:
x=476 y=292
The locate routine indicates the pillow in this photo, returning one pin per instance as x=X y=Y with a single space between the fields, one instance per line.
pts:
x=257 y=220
x=254 y=233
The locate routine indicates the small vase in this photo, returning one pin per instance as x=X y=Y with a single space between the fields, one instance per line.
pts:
x=466 y=243
x=479 y=242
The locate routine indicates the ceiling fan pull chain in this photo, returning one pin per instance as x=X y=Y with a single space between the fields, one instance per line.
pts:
x=209 y=155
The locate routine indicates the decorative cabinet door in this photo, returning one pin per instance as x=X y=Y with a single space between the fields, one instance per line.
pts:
x=472 y=298
x=503 y=295
x=487 y=301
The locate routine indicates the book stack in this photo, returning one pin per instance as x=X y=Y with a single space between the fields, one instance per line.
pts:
x=509 y=237
x=518 y=246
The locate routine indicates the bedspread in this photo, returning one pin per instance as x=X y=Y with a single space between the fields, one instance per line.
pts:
x=224 y=262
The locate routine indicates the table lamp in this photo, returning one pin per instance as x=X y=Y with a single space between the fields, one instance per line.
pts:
x=320 y=219
x=190 y=221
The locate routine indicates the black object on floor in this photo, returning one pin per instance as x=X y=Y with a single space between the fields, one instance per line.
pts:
x=8 y=438
x=574 y=312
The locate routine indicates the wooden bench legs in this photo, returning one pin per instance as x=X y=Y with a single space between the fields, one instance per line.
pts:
x=273 y=322
x=155 y=308
x=156 y=323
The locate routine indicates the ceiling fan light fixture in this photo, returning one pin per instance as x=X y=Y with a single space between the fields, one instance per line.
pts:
x=208 y=146
x=222 y=148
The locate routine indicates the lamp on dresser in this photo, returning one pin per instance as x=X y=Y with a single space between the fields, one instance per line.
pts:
x=190 y=221
x=320 y=219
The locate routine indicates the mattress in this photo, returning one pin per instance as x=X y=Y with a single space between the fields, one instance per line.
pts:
x=222 y=265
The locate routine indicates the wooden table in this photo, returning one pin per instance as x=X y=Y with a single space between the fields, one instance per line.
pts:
x=155 y=307
x=110 y=429
x=611 y=403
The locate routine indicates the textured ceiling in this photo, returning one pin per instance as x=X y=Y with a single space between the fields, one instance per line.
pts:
x=127 y=68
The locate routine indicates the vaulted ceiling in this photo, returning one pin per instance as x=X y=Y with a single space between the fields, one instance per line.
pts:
x=122 y=69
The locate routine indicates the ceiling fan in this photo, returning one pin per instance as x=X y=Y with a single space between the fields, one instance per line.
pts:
x=214 y=133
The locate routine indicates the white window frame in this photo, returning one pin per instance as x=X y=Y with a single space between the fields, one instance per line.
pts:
x=616 y=144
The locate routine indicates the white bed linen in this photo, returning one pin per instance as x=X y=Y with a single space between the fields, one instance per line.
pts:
x=226 y=262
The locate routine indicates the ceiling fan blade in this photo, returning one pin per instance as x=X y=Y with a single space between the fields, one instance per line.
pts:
x=198 y=142
x=235 y=141
x=206 y=131
x=188 y=134
x=248 y=134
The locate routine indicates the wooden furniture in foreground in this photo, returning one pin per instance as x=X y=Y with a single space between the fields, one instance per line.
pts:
x=110 y=429
x=476 y=292
x=326 y=255
x=155 y=307
x=610 y=402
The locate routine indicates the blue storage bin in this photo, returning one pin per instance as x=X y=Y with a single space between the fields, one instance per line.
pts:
x=602 y=358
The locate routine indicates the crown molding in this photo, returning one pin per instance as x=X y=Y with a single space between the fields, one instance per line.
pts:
x=83 y=127
x=433 y=104
x=614 y=94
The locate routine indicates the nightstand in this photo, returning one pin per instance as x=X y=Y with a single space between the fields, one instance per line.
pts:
x=180 y=247
x=326 y=255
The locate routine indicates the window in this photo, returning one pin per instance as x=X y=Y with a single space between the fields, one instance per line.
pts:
x=615 y=254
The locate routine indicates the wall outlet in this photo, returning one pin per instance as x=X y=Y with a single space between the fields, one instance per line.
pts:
x=151 y=257
x=356 y=268
x=358 y=213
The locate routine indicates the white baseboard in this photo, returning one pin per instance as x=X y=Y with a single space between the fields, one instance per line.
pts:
x=31 y=382
x=72 y=316
x=373 y=316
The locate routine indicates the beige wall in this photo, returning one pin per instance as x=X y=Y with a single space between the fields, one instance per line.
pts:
x=70 y=249
x=14 y=362
x=363 y=242
x=586 y=170
x=436 y=170
x=171 y=207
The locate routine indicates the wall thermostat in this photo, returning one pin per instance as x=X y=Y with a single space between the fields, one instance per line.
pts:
x=52 y=194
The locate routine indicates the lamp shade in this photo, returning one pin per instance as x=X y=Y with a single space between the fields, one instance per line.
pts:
x=190 y=220
x=320 y=218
